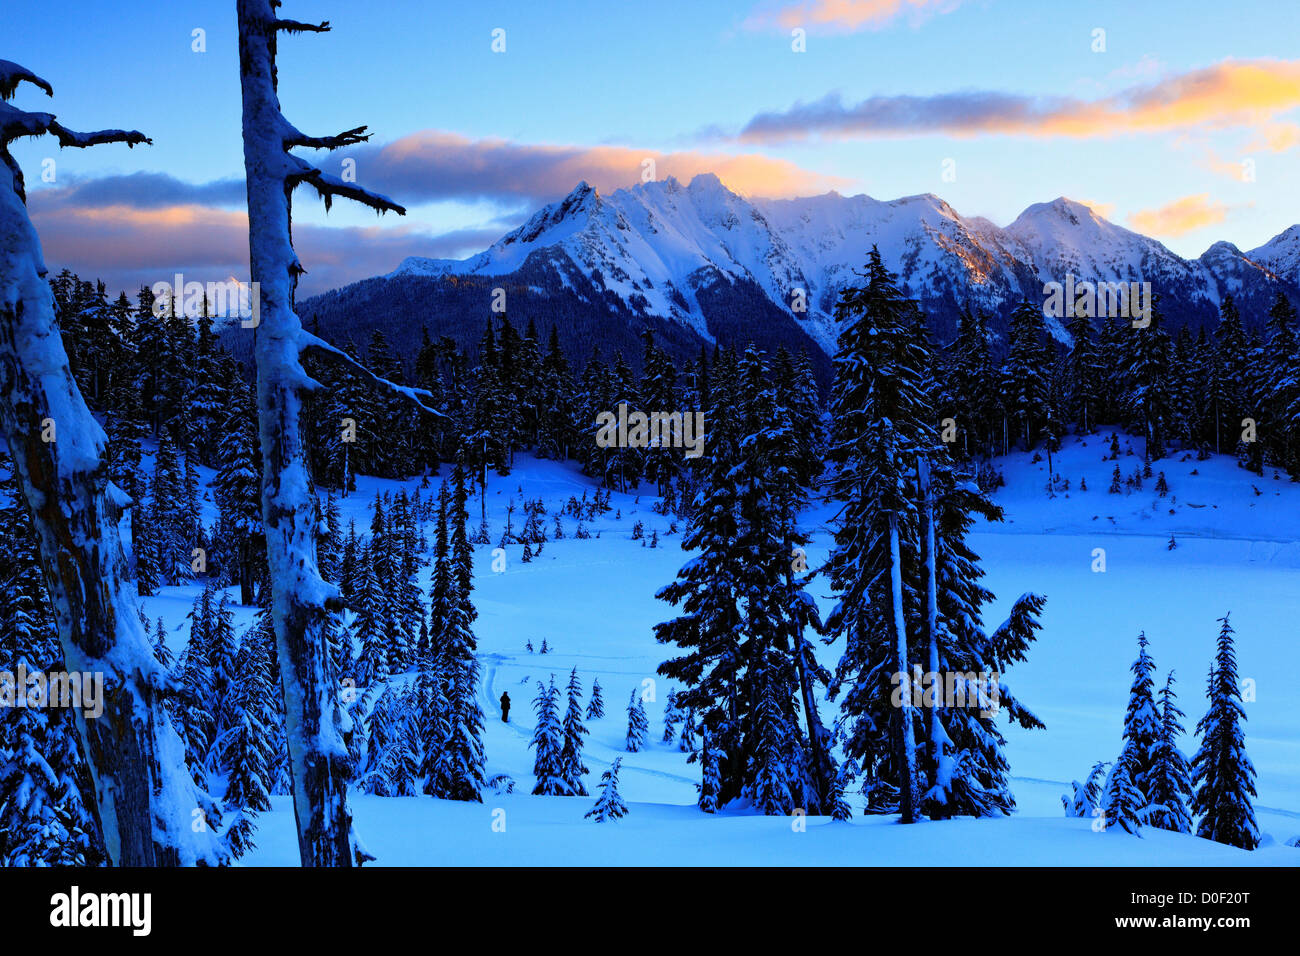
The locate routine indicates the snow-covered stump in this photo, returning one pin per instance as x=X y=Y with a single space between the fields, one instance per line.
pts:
x=144 y=798
x=302 y=601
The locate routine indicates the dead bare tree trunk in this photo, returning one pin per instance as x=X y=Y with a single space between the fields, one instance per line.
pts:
x=301 y=600
x=144 y=798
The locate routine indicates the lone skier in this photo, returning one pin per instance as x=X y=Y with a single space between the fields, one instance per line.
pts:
x=505 y=707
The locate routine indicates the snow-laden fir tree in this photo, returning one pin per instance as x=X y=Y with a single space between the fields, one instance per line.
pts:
x=44 y=817
x=548 y=742
x=1122 y=802
x=610 y=805
x=596 y=706
x=1222 y=773
x=880 y=423
x=223 y=649
x=464 y=759
x=638 y=727
x=1168 y=782
x=168 y=515
x=747 y=668
x=194 y=709
x=1086 y=796
x=671 y=717
x=686 y=740
x=1141 y=718
x=369 y=627
x=571 y=766
x=434 y=722
x=441 y=585
x=908 y=585
x=710 y=785
x=249 y=745
x=1026 y=371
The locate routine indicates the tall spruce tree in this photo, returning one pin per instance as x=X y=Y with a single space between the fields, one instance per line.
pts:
x=571 y=766
x=1169 y=779
x=1222 y=773
x=547 y=743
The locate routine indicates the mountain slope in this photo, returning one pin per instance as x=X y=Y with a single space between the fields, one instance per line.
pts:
x=718 y=267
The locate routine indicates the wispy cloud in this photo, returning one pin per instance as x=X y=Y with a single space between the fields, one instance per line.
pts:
x=140 y=228
x=1180 y=216
x=143 y=190
x=435 y=165
x=1248 y=94
x=845 y=16
x=129 y=246
x=1104 y=209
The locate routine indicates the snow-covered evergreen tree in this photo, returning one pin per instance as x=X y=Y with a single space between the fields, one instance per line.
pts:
x=548 y=742
x=571 y=766
x=369 y=631
x=1086 y=796
x=638 y=727
x=1141 y=719
x=1168 y=782
x=1222 y=773
x=249 y=746
x=610 y=805
x=596 y=706
x=671 y=717
x=1122 y=802
x=44 y=817
x=710 y=785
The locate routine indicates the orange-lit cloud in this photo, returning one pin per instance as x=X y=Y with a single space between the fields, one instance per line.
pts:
x=1250 y=94
x=433 y=165
x=846 y=15
x=141 y=228
x=1103 y=209
x=129 y=247
x=1179 y=217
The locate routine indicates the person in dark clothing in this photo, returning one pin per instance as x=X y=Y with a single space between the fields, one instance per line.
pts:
x=505 y=707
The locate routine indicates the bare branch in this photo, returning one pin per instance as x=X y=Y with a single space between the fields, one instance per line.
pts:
x=319 y=348
x=11 y=74
x=68 y=137
x=328 y=187
x=347 y=138
x=297 y=26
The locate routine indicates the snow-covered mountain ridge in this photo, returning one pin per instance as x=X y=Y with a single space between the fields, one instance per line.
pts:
x=659 y=247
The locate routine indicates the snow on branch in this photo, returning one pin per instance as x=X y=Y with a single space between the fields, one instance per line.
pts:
x=16 y=124
x=11 y=74
x=347 y=138
x=68 y=137
x=328 y=187
x=297 y=26
x=320 y=349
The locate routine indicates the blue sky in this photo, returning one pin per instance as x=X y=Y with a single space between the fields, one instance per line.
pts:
x=1153 y=131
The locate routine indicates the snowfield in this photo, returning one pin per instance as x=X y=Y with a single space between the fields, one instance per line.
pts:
x=1237 y=550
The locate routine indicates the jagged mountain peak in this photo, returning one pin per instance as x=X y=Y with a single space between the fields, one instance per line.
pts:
x=662 y=248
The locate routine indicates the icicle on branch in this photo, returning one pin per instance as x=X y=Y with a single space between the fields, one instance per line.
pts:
x=328 y=187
